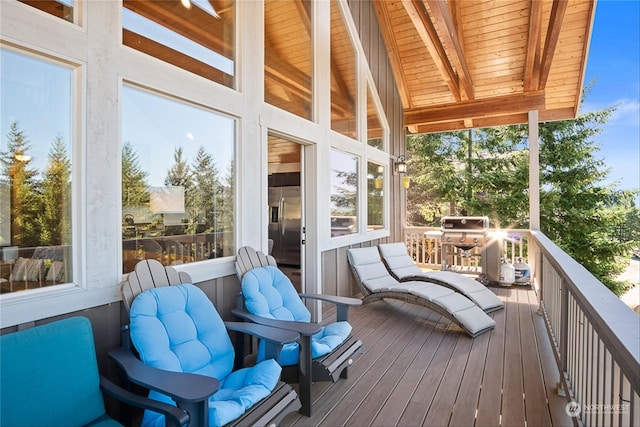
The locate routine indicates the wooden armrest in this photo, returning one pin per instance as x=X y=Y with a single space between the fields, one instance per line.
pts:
x=342 y=304
x=274 y=335
x=303 y=328
x=334 y=299
x=179 y=386
x=174 y=416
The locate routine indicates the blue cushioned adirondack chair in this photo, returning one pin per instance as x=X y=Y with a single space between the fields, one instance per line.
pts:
x=49 y=377
x=269 y=298
x=176 y=328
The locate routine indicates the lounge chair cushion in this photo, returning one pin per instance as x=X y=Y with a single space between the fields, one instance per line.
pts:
x=376 y=282
x=269 y=293
x=177 y=328
x=403 y=268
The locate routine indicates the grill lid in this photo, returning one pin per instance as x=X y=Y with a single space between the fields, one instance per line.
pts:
x=464 y=223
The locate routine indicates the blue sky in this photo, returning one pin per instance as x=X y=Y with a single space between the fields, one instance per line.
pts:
x=614 y=66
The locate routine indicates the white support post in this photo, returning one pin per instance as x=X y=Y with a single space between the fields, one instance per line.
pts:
x=534 y=172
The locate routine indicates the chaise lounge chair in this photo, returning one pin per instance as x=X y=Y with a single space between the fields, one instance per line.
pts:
x=376 y=283
x=402 y=268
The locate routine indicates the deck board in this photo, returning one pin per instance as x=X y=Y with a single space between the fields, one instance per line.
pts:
x=512 y=387
x=420 y=369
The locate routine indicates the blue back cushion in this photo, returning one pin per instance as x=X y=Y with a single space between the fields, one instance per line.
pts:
x=49 y=375
x=177 y=328
x=268 y=292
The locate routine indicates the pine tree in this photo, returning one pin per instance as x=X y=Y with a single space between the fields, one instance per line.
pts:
x=24 y=197
x=55 y=218
x=134 y=180
x=206 y=192
x=578 y=212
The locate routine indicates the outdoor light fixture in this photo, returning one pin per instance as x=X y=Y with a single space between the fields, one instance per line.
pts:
x=401 y=164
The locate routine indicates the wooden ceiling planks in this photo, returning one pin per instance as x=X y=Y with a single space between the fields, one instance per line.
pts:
x=503 y=54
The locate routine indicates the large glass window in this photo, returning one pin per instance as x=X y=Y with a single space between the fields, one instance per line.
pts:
x=343 y=76
x=287 y=55
x=177 y=180
x=196 y=35
x=344 y=193
x=375 y=199
x=36 y=173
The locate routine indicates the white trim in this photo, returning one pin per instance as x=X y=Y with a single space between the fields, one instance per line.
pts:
x=104 y=64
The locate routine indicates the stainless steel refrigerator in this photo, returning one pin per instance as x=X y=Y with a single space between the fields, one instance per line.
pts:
x=285 y=218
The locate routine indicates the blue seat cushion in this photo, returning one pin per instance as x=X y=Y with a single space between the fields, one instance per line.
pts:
x=49 y=376
x=177 y=328
x=269 y=293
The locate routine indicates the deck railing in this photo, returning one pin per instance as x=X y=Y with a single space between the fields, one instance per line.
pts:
x=594 y=335
x=425 y=246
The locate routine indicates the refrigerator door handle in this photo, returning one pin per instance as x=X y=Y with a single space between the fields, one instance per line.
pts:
x=283 y=217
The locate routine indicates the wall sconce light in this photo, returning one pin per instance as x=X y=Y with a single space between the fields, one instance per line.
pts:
x=401 y=164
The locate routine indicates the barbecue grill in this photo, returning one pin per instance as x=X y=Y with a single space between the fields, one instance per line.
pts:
x=465 y=232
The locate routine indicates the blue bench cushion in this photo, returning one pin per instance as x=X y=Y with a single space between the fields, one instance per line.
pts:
x=177 y=328
x=49 y=376
x=269 y=293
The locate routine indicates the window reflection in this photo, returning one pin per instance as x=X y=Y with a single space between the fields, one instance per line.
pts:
x=288 y=62
x=374 y=126
x=177 y=181
x=60 y=8
x=195 y=35
x=35 y=174
x=344 y=193
x=343 y=76
x=375 y=199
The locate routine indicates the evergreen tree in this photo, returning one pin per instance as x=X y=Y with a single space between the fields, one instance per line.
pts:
x=55 y=218
x=206 y=192
x=226 y=210
x=24 y=197
x=577 y=211
x=134 y=180
x=460 y=173
x=490 y=177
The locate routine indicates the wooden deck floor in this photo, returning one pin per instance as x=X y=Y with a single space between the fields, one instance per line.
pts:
x=419 y=369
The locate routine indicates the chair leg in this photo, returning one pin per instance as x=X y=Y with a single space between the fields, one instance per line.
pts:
x=198 y=412
x=304 y=377
x=344 y=374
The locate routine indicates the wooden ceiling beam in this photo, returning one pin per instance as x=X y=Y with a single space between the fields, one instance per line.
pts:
x=429 y=35
x=532 y=61
x=444 y=22
x=485 y=122
x=194 y=24
x=381 y=9
x=475 y=109
x=558 y=10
